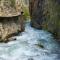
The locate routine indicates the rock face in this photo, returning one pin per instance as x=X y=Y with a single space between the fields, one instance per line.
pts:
x=11 y=19
x=45 y=14
x=10 y=26
x=10 y=7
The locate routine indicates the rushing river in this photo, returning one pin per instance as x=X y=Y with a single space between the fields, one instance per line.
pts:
x=32 y=44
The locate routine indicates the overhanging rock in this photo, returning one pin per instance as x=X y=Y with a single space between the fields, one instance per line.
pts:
x=10 y=26
x=45 y=14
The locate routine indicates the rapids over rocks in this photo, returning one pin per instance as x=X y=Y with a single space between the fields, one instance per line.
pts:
x=32 y=44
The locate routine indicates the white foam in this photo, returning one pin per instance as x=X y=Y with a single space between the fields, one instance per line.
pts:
x=24 y=48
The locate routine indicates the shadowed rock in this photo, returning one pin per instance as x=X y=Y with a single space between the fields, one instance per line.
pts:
x=10 y=26
x=45 y=14
x=11 y=19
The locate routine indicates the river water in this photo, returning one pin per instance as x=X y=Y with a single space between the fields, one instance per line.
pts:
x=32 y=44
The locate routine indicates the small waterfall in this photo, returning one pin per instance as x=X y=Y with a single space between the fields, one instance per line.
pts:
x=32 y=44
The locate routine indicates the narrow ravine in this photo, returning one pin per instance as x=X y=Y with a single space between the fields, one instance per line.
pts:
x=32 y=44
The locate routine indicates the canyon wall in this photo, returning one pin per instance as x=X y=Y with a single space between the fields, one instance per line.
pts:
x=11 y=19
x=45 y=14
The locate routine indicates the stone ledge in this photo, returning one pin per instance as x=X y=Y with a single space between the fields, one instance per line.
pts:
x=10 y=26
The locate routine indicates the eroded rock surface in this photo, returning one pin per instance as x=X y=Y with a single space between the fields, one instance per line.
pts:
x=45 y=14
x=11 y=19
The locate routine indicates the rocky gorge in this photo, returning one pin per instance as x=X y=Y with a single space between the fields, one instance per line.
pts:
x=45 y=14
x=25 y=36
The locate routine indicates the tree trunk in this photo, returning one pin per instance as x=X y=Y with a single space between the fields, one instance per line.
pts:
x=45 y=14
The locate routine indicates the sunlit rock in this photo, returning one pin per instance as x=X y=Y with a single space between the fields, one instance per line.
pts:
x=11 y=19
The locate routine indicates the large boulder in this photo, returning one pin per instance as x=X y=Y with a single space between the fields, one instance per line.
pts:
x=45 y=14
x=11 y=19
x=10 y=26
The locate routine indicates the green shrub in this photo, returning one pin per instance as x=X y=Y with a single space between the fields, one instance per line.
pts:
x=26 y=12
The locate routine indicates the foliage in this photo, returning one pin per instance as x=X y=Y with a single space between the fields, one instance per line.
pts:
x=25 y=8
x=26 y=12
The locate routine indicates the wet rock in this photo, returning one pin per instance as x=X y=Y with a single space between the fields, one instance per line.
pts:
x=39 y=45
x=45 y=14
x=30 y=59
x=10 y=26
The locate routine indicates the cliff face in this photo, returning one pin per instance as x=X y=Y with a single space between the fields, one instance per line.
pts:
x=10 y=26
x=11 y=19
x=45 y=14
x=10 y=7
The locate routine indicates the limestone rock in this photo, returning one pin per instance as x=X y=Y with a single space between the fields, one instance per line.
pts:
x=10 y=26
x=10 y=7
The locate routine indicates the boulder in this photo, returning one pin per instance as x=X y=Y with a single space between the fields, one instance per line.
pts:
x=45 y=14
x=10 y=26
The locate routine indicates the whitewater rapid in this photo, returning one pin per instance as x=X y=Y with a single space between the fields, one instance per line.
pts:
x=27 y=46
